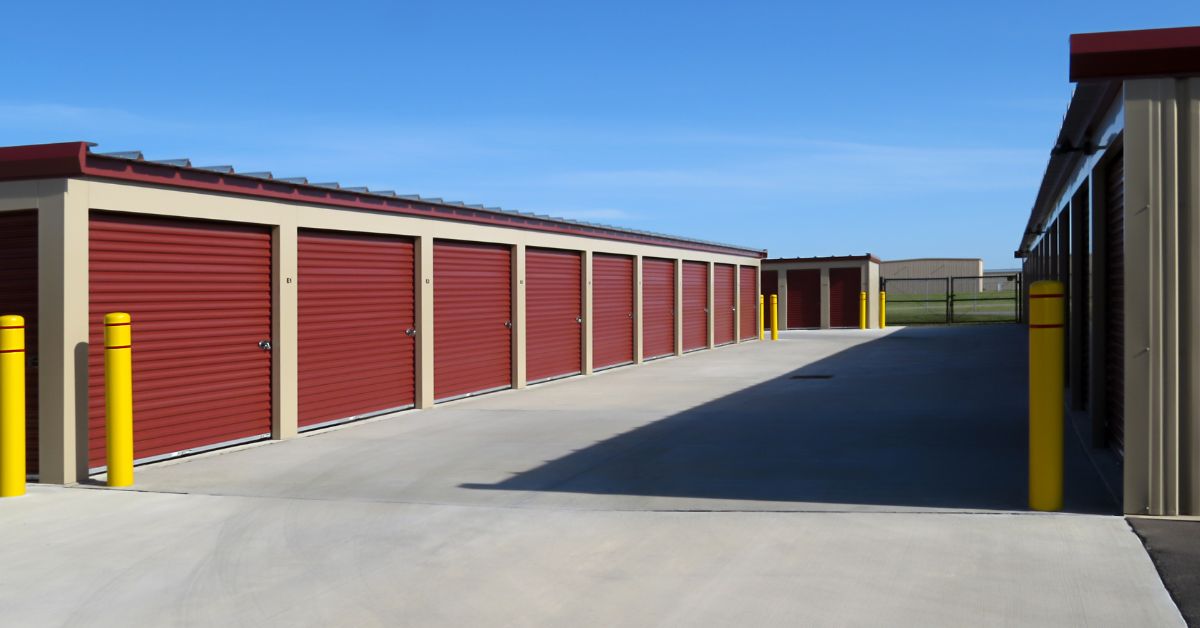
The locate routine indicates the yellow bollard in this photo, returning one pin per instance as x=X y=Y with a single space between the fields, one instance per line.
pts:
x=882 y=309
x=12 y=406
x=774 y=317
x=1046 y=395
x=118 y=397
x=760 y=317
x=862 y=310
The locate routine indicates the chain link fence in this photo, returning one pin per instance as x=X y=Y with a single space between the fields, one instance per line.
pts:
x=944 y=300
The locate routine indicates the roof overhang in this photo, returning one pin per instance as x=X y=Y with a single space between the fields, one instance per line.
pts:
x=834 y=258
x=73 y=159
x=1135 y=54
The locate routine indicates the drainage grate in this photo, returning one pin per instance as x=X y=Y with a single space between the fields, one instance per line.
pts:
x=812 y=377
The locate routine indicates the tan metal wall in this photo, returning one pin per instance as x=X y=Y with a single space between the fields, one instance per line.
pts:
x=930 y=267
x=1162 y=296
x=63 y=207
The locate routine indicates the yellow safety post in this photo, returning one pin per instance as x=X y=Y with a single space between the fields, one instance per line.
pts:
x=760 y=317
x=12 y=406
x=882 y=309
x=862 y=310
x=774 y=317
x=118 y=397
x=1046 y=395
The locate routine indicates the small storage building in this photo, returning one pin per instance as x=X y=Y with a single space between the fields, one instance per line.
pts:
x=264 y=306
x=1117 y=220
x=822 y=292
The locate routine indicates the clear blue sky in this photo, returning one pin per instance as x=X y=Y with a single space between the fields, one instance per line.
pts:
x=904 y=129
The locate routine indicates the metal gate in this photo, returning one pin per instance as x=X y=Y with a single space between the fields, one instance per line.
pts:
x=945 y=300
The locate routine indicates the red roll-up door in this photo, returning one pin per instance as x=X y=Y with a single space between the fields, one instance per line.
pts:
x=845 y=286
x=612 y=310
x=770 y=286
x=749 y=302
x=199 y=295
x=658 y=307
x=19 y=295
x=472 y=318
x=724 y=285
x=695 y=306
x=355 y=305
x=553 y=313
x=1114 y=306
x=803 y=298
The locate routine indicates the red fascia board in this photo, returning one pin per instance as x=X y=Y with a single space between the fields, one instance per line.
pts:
x=834 y=258
x=42 y=160
x=1132 y=54
x=73 y=159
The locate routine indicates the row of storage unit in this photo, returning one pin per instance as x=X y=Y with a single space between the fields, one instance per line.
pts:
x=255 y=316
x=823 y=292
x=1115 y=221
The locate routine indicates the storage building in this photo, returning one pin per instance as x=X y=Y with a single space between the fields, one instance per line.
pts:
x=263 y=306
x=822 y=292
x=1117 y=220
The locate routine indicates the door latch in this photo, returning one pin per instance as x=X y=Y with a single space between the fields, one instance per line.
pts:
x=265 y=345
x=411 y=331
x=508 y=324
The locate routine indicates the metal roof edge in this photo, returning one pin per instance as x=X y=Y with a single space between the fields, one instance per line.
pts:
x=69 y=159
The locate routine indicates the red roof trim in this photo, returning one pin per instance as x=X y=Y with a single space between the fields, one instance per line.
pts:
x=1131 y=54
x=72 y=159
x=833 y=258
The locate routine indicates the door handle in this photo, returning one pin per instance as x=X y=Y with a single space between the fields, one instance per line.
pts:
x=508 y=324
x=265 y=345
x=578 y=319
x=410 y=331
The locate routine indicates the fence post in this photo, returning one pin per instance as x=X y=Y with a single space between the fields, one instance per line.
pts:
x=118 y=397
x=1046 y=395
x=12 y=406
x=949 y=301
x=883 y=309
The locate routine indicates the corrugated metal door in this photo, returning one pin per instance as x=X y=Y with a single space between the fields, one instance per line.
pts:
x=1114 y=307
x=845 y=285
x=553 y=314
x=770 y=286
x=19 y=295
x=612 y=310
x=355 y=306
x=803 y=298
x=724 y=285
x=749 y=302
x=199 y=294
x=658 y=307
x=472 y=330
x=695 y=306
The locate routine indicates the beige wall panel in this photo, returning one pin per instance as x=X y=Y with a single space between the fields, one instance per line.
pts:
x=285 y=330
x=63 y=335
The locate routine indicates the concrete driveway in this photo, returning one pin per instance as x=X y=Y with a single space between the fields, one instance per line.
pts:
x=711 y=489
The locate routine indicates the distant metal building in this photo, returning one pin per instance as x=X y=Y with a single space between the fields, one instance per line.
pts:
x=967 y=269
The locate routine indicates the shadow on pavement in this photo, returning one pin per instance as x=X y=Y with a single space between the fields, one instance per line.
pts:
x=930 y=417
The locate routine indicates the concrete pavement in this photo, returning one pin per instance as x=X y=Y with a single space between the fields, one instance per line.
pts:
x=705 y=490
